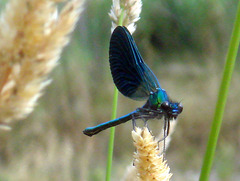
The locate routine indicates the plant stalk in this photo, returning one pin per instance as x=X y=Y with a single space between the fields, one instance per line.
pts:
x=112 y=130
x=222 y=98
x=111 y=137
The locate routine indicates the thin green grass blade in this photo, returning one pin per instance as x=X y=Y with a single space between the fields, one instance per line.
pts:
x=111 y=137
x=112 y=130
x=222 y=98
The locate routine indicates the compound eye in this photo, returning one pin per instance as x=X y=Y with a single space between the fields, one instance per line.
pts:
x=165 y=105
x=180 y=107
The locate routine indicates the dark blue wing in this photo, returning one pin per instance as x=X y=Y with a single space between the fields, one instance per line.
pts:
x=131 y=75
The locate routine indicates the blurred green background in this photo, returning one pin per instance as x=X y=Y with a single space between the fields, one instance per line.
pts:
x=184 y=43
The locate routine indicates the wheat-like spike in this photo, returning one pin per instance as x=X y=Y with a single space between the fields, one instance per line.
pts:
x=129 y=9
x=148 y=163
x=33 y=34
x=131 y=171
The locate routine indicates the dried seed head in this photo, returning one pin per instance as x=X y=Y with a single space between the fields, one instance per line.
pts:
x=129 y=10
x=33 y=34
x=147 y=162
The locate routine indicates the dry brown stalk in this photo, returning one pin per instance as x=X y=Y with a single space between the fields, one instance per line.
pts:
x=33 y=34
x=130 y=11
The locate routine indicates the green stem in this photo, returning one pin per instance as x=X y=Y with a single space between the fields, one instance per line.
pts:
x=120 y=22
x=112 y=130
x=222 y=98
x=111 y=138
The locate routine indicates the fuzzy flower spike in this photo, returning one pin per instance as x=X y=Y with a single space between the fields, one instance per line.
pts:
x=127 y=11
x=149 y=163
x=33 y=34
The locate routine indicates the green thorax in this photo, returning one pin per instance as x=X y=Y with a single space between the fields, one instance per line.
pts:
x=158 y=97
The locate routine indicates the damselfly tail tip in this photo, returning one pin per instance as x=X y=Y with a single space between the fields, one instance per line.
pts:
x=87 y=132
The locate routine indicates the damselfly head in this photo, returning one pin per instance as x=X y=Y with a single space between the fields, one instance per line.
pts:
x=172 y=110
